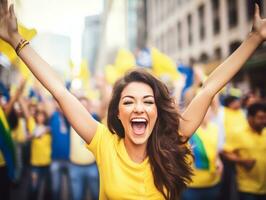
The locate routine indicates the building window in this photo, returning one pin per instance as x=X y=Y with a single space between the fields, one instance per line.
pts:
x=233 y=46
x=216 y=16
x=190 y=36
x=201 y=21
x=250 y=8
x=204 y=58
x=218 y=53
x=232 y=13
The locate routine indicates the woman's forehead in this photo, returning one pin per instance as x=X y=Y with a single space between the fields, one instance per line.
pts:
x=137 y=89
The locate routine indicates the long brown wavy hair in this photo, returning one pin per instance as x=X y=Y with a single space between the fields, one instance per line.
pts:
x=167 y=150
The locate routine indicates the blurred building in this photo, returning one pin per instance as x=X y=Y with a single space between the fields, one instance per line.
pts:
x=91 y=40
x=205 y=31
x=137 y=31
x=122 y=26
x=55 y=49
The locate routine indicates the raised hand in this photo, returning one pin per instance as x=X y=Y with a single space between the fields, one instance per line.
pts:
x=259 y=24
x=8 y=21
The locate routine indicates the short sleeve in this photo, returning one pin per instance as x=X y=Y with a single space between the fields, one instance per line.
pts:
x=234 y=143
x=100 y=141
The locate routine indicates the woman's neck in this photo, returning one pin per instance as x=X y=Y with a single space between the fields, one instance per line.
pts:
x=137 y=153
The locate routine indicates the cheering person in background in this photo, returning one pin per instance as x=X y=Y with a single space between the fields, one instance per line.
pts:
x=142 y=154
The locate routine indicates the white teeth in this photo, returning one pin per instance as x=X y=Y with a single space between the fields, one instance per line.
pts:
x=138 y=120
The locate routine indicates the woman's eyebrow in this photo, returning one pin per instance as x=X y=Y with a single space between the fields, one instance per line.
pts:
x=128 y=96
x=147 y=96
x=132 y=97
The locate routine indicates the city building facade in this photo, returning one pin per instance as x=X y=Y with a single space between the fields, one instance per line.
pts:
x=203 y=31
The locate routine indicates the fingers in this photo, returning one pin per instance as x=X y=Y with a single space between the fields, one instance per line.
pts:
x=11 y=11
x=4 y=6
x=1 y=7
x=257 y=11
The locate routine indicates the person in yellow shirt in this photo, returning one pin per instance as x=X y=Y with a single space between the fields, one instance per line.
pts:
x=143 y=152
x=19 y=133
x=248 y=152
x=207 y=165
x=234 y=119
x=83 y=170
x=40 y=154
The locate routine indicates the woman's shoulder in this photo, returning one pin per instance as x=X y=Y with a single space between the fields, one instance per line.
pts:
x=103 y=135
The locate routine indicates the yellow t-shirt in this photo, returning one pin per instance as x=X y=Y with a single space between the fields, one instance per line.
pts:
x=120 y=177
x=251 y=145
x=19 y=134
x=2 y=161
x=3 y=118
x=79 y=154
x=31 y=125
x=208 y=140
x=41 y=150
x=234 y=122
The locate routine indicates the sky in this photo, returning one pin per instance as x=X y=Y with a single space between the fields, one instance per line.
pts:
x=64 y=17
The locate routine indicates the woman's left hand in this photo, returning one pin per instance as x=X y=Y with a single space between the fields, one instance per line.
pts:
x=259 y=24
x=8 y=22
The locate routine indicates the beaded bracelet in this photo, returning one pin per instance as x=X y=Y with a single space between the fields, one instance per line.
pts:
x=21 y=45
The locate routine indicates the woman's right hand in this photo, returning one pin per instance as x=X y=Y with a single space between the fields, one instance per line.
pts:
x=8 y=23
x=259 y=24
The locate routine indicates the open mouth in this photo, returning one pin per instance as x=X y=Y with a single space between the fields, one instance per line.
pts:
x=139 y=125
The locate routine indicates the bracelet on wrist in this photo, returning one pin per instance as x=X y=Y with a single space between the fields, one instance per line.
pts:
x=22 y=43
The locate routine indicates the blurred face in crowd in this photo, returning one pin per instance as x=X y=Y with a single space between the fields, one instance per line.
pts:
x=236 y=104
x=40 y=117
x=137 y=112
x=32 y=109
x=258 y=122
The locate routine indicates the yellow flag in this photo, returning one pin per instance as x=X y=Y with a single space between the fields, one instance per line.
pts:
x=28 y=34
x=84 y=73
x=23 y=69
x=6 y=49
x=124 y=61
x=163 y=65
x=111 y=74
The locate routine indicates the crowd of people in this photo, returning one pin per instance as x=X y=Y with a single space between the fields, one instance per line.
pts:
x=133 y=143
x=48 y=150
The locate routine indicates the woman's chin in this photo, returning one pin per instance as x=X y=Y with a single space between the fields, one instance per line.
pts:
x=139 y=139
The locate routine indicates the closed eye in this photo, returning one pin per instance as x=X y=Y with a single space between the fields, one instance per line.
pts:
x=149 y=102
x=127 y=102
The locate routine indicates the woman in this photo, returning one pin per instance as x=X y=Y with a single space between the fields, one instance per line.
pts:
x=138 y=110
x=40 y=154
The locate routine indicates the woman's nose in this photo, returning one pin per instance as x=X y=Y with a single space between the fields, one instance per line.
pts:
x=138 y=107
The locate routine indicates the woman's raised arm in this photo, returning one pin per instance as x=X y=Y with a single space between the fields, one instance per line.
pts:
x=78 y=116
x=197 y=109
